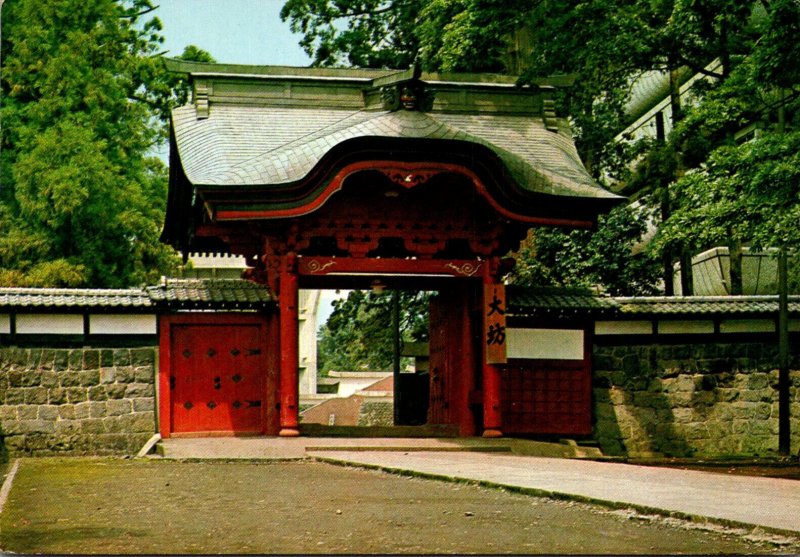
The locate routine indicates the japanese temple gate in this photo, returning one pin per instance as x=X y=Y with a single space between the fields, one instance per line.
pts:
x=333 y=178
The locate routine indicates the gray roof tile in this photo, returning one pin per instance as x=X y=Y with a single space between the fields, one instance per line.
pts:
x=173 y=294
x=210 y=294
x=49 y=298
x=247 y=145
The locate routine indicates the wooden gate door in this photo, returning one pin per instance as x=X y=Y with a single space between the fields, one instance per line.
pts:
x=452 y=360
x=217 y=380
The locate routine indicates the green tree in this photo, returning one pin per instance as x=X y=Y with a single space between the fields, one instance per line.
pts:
x=85 y=97
x=358 y=335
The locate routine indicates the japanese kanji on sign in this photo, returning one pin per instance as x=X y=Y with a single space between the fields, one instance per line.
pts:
x=494 y=319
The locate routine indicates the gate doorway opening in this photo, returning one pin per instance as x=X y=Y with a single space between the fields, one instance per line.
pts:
x=387 y=359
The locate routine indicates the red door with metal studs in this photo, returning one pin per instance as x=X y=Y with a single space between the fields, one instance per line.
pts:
x=217 y=380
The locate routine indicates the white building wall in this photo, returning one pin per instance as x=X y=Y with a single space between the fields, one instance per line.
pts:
x=308 y=304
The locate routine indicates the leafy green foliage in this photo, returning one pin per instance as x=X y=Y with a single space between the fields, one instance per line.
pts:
x=358 y=335
x=358 y=33
x=86 y=97
x=607 y=257
x=748 y=193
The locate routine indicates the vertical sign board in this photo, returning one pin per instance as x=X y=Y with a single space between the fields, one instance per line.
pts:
x=494 y=322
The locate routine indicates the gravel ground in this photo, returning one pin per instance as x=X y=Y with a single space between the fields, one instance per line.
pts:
x=148 y=506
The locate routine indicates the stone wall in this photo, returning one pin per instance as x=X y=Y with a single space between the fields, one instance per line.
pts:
x=691 y=400
x=77 y=401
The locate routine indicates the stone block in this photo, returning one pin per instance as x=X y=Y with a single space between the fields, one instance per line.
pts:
x=75 y=360
x=125 y=374
x=48 y=379
x=77 y=394
x=146 y=404
x=61 y=360
x=138 y=390
x=15 y=396
x=743 y=409
x=82 y=410
x=685 y=384
x=143 y=357
x=106 y=358
x=115 y=391
x=97 y=393
x=143 y=374
x=66 y=412
x=718 y=430
x=15 y=444
x=762 y=411
x=36 y=395
x=24 y=378
x=47 y=412
x=122 y=357
x=119 y=407
x=36 y=426
x=704 y=398
x=57 y=396
x=38 y=442
x=107 y=375
x=47 y=360
x=113 y=424
x=94 y=426
x=758 y=381
x=98 y=409
x=139 y=422
x=8 y=412
x=681 y=399
x=68 y=428
x=91 y=359
x=27 y=412
x=683 y=415
x=617 y=396
x=69 y=378
x=727 y=394
x=90 y=378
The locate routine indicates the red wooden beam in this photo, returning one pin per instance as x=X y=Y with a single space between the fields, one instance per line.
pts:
x=405 y=174
x=323 y=266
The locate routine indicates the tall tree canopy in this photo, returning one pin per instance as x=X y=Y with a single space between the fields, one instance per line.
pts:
x=608 y=44
x=85 y=97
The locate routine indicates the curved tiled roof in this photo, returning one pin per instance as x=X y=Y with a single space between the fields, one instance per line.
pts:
x=210 y=294
x=704 y=305
x=245 y=145
x=171 y=294
x=534 y=301
x=72 y=298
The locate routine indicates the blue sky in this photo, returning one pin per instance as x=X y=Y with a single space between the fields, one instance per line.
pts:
x=232 y=31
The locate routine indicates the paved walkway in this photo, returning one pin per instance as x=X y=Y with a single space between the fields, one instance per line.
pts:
x=549 y=469
x=771 y=503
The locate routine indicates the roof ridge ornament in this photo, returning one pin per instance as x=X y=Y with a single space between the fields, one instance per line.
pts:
x=407 y=95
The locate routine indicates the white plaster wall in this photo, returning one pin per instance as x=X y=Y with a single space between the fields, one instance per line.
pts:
x=308 y=305
x=747 y=326
x=118 y=324
x=623 y=327
x=5 y=324
x=685 y=327
x=550 y=344
x=49 y=324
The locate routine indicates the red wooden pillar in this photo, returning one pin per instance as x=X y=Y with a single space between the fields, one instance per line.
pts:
x=494 y=349
x=287 y=300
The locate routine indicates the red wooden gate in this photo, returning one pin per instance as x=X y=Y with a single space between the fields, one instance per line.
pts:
x=547 y=397
x=452 y=360
x=218 y=376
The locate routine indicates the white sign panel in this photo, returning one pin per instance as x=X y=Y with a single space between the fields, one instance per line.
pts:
x=545 y=344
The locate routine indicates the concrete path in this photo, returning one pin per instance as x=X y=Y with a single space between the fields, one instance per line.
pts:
x=549 y=469
x=287 y=448
x=770 y=503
